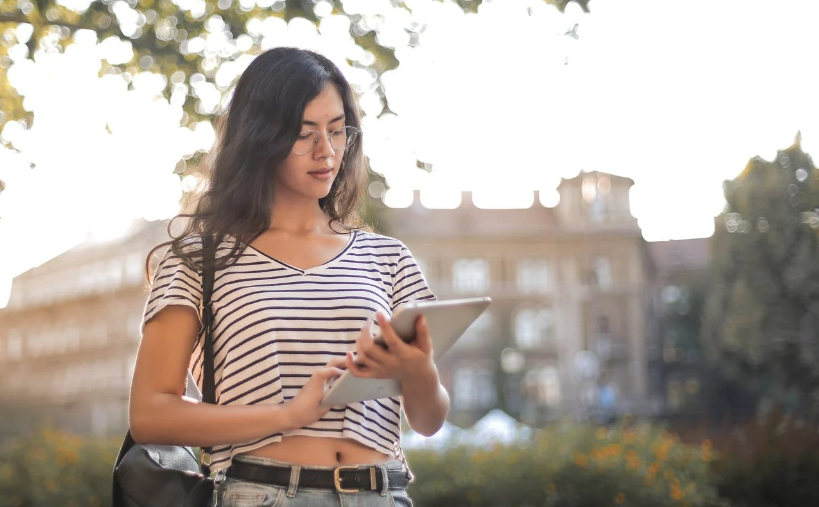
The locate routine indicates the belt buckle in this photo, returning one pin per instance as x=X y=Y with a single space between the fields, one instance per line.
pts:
x=337 y=479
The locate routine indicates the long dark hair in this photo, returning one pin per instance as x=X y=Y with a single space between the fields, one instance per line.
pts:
x=254 y=135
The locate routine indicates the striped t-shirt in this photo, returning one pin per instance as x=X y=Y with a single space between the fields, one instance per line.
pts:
x=274 y=325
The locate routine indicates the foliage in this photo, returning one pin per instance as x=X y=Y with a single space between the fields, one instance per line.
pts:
x=570 y=465
x=772 y=461
x=762 y=316
x=768 y=462
x=52 y=467
x=163 y=30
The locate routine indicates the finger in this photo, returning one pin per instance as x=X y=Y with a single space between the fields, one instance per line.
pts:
x=422 y=338
x=355 y=368
x=328 y=373
x=375 y=354
x=392 y=340
x=367 y=350
x=337 y=362
x=363 y=336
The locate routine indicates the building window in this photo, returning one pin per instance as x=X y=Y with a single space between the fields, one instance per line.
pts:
x=474 y=388
x=470 y=275
x=534 y=328
x=603 y=341
x=603 y=327
x=543 y=385
x=674 y=395
x=533 y=276
x=602 y=272
x=609 y=394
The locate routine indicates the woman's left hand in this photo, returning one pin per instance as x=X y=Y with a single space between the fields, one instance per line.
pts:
x=400 y=360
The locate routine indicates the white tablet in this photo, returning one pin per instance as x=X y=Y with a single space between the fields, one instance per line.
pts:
x=447 y=321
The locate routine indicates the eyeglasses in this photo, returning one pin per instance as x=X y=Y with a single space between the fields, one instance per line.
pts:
x=340 y=139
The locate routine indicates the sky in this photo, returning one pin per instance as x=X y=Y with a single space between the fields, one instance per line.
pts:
x=674 y=95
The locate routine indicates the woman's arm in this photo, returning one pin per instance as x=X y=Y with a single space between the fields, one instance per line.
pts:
x=160 y=414
x=426 y=402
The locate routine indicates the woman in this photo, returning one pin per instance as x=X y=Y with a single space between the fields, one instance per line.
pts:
x=298 y=284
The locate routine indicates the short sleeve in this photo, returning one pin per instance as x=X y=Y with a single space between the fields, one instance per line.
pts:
x=409 y=283
x=174 y=283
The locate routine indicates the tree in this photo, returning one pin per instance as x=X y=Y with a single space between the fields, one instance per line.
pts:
x=762 y=315
x=160 y=32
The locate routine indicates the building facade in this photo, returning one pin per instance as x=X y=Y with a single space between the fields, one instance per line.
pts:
x=574 y=301
x=569 y=333
x=69 y=336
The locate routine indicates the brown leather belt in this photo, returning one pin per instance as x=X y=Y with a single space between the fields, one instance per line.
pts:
x=344 y=479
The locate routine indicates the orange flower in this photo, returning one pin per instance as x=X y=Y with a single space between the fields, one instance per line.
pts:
x=620 y=498
x=676 y=493
x=581 y=460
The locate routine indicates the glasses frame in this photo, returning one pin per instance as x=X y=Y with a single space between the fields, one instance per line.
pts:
x=352 y=137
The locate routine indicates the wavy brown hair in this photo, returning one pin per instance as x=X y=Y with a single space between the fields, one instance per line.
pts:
x=254 y=135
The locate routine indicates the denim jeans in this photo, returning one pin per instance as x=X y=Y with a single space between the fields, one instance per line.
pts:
x=238 y=493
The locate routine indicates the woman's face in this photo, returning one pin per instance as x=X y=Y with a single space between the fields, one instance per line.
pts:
x=311 y=175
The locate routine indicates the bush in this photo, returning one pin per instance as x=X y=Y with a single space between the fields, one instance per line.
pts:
x=770 y=462
x=52 y=467
x=773 y=462
x=570 y=466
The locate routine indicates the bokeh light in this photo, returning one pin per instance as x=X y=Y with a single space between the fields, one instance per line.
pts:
x=509 y=106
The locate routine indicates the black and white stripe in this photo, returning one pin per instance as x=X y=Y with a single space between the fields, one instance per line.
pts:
x=276 y=324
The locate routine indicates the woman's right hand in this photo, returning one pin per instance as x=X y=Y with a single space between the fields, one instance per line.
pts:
x=305 y=408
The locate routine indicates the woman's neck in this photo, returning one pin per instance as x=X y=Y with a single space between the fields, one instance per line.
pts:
x=302 y=217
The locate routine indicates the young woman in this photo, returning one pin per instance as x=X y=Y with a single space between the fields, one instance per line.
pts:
x=300 y=291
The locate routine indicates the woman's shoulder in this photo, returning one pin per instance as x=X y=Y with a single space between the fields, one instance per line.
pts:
x=374 y=239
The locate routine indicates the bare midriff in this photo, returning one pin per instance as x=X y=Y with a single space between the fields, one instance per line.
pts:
x=318 y=451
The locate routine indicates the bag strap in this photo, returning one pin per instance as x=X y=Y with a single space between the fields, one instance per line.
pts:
x=208 y=383
x=208 y=374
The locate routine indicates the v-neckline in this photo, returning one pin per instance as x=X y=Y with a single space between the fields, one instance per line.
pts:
x=324 y=265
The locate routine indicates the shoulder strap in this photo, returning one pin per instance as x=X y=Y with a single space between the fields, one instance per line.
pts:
x=208 y=259
x=208 y=374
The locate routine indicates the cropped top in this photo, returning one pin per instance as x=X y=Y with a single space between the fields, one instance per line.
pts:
x=274 y=325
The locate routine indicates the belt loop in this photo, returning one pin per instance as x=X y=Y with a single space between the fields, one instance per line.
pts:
x=295 y=471
x=385 y=481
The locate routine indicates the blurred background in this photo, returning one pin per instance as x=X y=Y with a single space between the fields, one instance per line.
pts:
x=629 y=180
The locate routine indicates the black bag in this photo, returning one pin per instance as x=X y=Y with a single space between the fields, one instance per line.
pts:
x=167 y=475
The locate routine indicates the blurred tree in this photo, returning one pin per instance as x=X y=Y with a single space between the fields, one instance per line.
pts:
x=185 y=41
x=161 y=31
x=762 y=315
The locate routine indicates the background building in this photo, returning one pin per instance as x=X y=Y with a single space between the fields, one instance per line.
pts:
x=572 y=332
x=577 y=277
x=69 y=336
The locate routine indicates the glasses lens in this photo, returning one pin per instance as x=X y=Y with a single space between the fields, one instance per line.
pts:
x=343 y=138
x=340 y=140
x=305 y=142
